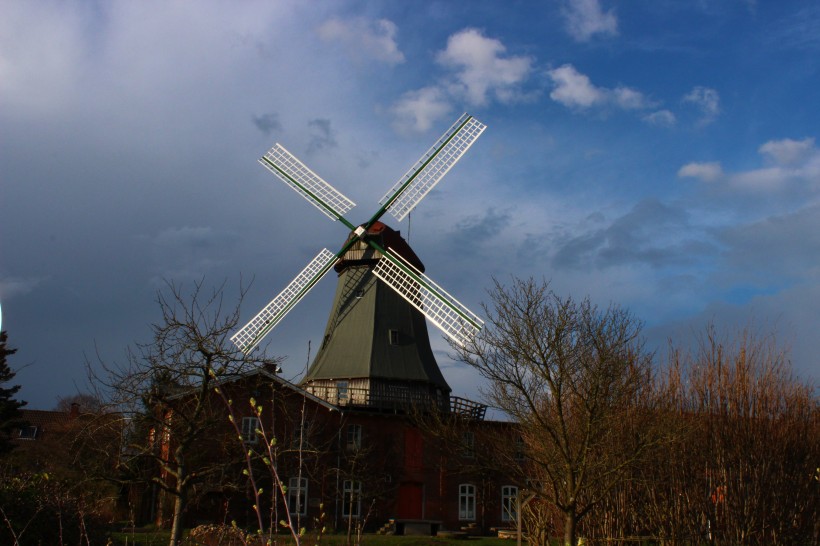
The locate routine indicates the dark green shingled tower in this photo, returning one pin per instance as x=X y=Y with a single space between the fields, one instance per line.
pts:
x=376 y=350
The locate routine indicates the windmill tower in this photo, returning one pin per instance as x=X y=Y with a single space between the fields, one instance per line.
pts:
x=376 y=350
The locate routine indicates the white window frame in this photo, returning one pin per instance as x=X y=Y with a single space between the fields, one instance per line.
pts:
x=351 y=488
x=249 y=427
x=297 y=496
x=28 y=432
x=466 y=502
x=354 y=437
x=509 y=503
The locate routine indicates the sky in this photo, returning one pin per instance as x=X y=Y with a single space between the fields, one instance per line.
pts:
x=659 y=155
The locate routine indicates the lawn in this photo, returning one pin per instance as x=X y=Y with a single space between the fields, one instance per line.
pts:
x=160 y=538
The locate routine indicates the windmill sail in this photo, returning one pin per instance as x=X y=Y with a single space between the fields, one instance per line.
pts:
x=443 y=310
x=258 y=327
x=431 y=168
x=295 y=174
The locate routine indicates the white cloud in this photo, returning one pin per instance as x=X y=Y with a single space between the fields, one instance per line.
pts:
x=419 y=110
x=662 y=118
x=585 y=18
x=363 y=38
x=708 y=172
x=481 y=67
x=768 y=179
x=788 y=151
x=796 y=166
x=630 y=99
x=573 y=89
x=707 y=100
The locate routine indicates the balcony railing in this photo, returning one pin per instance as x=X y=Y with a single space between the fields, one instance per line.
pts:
x=395 y=399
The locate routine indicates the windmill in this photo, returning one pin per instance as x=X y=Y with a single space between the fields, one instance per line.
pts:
x=372 y=243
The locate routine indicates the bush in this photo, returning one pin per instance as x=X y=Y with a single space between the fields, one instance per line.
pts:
x=36 y=510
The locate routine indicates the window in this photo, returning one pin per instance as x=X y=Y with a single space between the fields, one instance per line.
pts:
x=297 y=496
x=509 y=503
x=301 y=436
x=394 y=337
x=519 y=449
x=249 y=427
x=469 y=444
x=354 y=437
x=466 y=502
x=352 y=499
x=29 y=433
x=342 y=392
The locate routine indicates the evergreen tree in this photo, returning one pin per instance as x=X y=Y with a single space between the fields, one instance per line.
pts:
x=9 y=407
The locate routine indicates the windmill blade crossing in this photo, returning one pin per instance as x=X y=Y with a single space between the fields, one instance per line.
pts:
x=258 y=327
x=448 y=314
x=431 y=168
x=455 y=320
x=308 y=184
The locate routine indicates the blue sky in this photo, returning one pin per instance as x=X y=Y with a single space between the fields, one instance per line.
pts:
x=661 y=155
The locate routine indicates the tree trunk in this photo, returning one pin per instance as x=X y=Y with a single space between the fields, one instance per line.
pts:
x=179 y=508
x=180 y=500
x=570 y=528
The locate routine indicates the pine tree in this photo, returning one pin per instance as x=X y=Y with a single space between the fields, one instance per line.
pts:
x=10 y=416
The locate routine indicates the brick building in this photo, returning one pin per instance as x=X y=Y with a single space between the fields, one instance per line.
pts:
x=351 y=441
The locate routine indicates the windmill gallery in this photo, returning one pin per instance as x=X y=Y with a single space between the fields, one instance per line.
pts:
x=355 y=451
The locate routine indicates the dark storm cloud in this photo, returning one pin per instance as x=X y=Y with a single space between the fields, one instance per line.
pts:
x=473 y=231
x=785 y=245
x=322 y=136
x=647 y=234
x=267 y=123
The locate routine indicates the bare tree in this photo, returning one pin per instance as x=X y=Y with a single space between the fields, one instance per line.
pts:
x=576 y=381
x=165 y=391
x=746 y=469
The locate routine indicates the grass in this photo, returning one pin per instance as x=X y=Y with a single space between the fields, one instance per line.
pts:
x=160 y=538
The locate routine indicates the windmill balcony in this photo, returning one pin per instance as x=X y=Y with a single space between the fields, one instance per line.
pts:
x=398 y=399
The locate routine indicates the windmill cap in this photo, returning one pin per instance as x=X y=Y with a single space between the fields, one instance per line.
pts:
x=384 y=236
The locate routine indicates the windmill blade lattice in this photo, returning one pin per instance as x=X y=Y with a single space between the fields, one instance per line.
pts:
x=431 y=168
x=455 y=320
x=249 y=336
x=295 y=174
x=448 y=314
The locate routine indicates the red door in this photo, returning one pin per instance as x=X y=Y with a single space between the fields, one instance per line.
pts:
x=411 y=501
